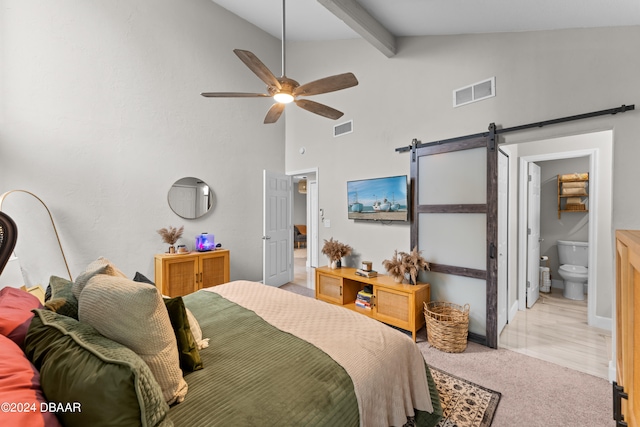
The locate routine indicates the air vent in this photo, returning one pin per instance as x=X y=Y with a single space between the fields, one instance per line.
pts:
x=475 y=92
x=343 y=128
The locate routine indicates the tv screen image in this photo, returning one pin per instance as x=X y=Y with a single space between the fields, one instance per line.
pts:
x=378 y=199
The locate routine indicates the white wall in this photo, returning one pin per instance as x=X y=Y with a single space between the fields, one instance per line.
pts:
x=100 y=112
x=539 y=76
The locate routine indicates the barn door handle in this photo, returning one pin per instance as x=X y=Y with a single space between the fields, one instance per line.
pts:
x=492 y=251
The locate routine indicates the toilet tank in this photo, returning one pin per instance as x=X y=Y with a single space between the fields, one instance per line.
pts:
x=573 y=253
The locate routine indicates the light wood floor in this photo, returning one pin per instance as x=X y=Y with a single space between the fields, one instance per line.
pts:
x=301 y=276
x=555 y=329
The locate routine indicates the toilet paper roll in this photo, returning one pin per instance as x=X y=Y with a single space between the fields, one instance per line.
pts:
x=544 y=258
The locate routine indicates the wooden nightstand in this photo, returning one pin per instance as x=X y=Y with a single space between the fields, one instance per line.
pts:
x=182 y=274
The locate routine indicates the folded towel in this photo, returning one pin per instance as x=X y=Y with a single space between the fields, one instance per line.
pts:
x=569 y=176
x=574 y=201
x=577 y=184
x=573 y=191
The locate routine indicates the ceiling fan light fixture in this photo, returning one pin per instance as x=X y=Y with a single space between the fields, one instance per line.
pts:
x=284 y=90
x=283 y=97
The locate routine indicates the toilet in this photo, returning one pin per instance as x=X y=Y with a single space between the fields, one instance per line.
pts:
x=574 y=260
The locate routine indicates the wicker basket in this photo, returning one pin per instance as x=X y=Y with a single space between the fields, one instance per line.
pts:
x=575 y=207
x=447 y=325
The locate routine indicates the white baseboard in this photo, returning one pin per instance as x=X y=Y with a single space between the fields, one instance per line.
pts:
x=513 y=310
x=612 y=371
x=602 y=323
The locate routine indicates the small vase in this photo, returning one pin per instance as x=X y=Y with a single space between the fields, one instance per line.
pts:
x=172 y=249
x=339 y=263
x=334 y=265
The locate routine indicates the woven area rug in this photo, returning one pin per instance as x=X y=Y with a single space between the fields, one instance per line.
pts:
x=464 y=404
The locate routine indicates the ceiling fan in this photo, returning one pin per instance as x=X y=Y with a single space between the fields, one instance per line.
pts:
x=285 y=90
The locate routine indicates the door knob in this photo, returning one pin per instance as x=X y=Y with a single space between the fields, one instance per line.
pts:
x=266 y=237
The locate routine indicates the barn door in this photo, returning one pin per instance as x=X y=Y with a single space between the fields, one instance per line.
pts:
x=455 y=225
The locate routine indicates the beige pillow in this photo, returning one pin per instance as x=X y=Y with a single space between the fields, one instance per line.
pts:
x=134 y=315
x=99 y=266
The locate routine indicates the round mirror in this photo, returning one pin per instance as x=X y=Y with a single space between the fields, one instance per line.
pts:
x=190 y=198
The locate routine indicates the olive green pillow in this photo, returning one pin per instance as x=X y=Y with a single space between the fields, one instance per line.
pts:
x=62 y=300
x=187 y=347
x=111 y=384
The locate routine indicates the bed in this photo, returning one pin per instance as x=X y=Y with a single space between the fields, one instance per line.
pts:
x=317 y=363
x=273 y=358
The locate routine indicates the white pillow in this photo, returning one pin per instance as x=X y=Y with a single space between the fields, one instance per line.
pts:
x=134 y=314
x=196 y=331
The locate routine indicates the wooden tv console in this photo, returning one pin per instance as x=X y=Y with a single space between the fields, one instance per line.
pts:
x=394 y=303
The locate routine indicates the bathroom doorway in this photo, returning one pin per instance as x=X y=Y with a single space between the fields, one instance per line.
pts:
x=560 y=226
x=595 y=150
x=591 y=226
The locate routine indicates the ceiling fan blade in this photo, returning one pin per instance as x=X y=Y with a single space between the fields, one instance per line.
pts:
x=234 y=95
x=328 y=84
x=274 y=113
x=258 y=68
x=317 y=108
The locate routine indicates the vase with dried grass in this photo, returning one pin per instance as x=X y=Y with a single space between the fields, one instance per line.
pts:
x=335 y=251
x=404 y=264
x=170 y=236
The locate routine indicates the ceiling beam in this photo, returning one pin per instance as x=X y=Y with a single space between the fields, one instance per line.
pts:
x=360 y=21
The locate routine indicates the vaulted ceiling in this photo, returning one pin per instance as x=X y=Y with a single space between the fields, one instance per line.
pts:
x=381 y=21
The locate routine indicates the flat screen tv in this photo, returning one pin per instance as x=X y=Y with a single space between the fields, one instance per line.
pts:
x=378 y=199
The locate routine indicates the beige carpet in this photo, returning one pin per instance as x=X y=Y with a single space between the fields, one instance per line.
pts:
x=534 y=392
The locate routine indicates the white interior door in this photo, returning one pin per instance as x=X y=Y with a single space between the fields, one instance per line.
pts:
x=533 y=236
x=503 y=247
x=277 y=263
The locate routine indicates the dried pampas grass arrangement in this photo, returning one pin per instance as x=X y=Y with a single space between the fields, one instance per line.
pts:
x=403 y=263
x=335 y=250
x=171 y=234
x=414 y=263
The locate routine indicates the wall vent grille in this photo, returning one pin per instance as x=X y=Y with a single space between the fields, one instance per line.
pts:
x=474 y=92
x=343 y=128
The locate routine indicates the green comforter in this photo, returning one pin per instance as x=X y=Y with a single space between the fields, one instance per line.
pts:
x=256 y=375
